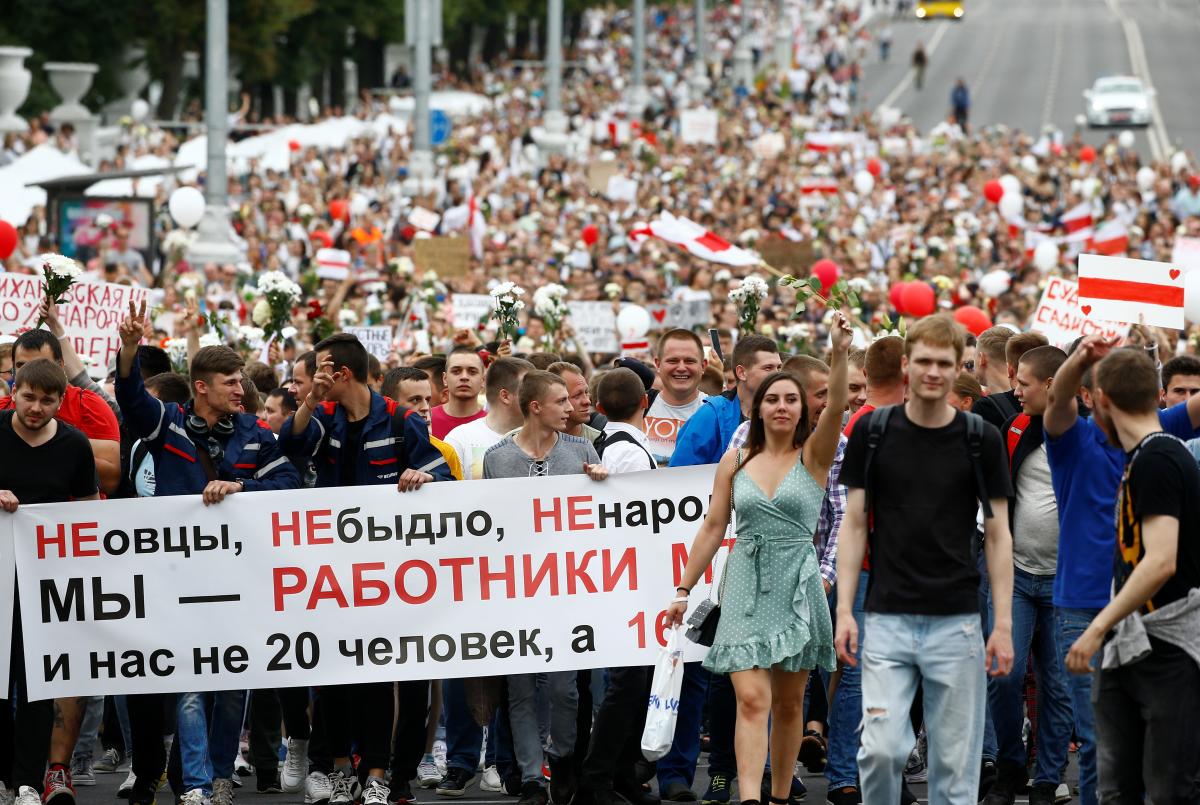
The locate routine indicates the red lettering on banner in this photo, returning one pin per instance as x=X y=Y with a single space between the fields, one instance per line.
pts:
x=402 y=586
x=299 y=580
x=362 y=585
x=314 y=526
x=456 y=564
x=60 y=540
x=79 y=537
x=539 y=514
x=575 y=510
x=547 y=570
x=508 y=576
x=326 y=587
x=278 y=529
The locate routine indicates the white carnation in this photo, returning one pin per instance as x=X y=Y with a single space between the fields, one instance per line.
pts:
x=347 y=317
x=61 y=266
x=210 y=340
x=261 y=315
x=250 y=335
x=755 y=286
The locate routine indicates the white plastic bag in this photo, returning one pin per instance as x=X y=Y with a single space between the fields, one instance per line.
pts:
x=663 y=708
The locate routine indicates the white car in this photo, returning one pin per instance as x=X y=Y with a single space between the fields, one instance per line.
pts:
x=1118 y=101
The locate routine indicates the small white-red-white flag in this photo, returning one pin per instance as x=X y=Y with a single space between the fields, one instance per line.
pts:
x=694 y=239
x=829 y=140
x=333 y=264
x=1122 y=289
x=1078 y=217
x=1110 y=238
x=824 y=185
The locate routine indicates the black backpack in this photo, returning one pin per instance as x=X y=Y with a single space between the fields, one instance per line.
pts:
x=877 y=426
x=621 y=436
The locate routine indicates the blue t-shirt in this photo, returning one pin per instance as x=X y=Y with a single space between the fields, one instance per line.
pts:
x=1085 y=471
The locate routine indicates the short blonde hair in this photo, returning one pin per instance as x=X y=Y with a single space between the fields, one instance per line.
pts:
x=937 y=331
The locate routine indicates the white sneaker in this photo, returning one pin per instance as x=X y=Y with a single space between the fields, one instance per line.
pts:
x=295 y=766
x=439 y=756
x=491 y=780
x=124 y=788
x=375 y=792
x=195 y=797
x=222 y=792
x=1062 y=794
x=340 y=790
x=240 y=767
x=428 y=775
x=27 y=796
x=317 y=789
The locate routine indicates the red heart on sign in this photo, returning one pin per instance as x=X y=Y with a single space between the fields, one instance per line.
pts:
x=659 y=315
x=1174 y=273
x=1087 y=309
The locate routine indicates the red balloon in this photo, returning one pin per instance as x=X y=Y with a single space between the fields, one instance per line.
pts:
x=874 y=167
x=827 y=272
x=993 y=191
x=339 y=209
x=321 y=237
x=1087 y=154
x=591 y=233
x=896 y=296
x=293 y=145
x=973 y=318
x=8 y=240
x=918 y=299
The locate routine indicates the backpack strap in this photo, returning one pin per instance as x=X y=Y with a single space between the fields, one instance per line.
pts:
x=622 y=436
x=876 y=426
x=1015 y=428
x=975 y=447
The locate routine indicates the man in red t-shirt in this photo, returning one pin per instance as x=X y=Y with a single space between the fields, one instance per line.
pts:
x=885 y=377
x=464 y=381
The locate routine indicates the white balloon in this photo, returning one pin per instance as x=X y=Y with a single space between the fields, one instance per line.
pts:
x=864 y=182
x=1011 y=205
x=1125 y=139
x=633 y=321
x=186 y=206
x=1145 y=178
x=1029 y=163
x=1090 y=187
x=1191 y=297
x=359 y=204
x=139 y=110
x=1045 y=256
x=995 y=282
x=1179 y=161
x=1011 y=184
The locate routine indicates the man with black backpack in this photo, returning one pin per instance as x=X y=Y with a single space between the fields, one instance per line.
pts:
x=922 y=622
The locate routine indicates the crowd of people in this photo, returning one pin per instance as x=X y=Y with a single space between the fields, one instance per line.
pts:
x=880 y=625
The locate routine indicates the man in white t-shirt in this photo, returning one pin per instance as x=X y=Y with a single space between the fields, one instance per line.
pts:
x=474 y=438
x=680 y=362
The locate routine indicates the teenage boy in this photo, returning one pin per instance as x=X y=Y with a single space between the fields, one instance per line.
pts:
x=463 y=381
x=1147 y=700
x=45 y=461
x=472 y=440
x=922 y=620
x=540 y=449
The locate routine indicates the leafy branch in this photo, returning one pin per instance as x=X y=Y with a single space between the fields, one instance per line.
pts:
x=840 y=295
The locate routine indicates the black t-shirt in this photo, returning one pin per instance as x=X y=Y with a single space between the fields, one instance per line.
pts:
x=923 y=543
x=351 y=451
x=997 y=409
x=1161 y=479
x=57 y=471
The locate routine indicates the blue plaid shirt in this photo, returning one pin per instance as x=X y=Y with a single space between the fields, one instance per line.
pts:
x=833 y=507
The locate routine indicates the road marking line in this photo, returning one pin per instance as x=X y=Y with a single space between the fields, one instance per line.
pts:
x=1156 y=132
x=911 y=74
x=1055 y=68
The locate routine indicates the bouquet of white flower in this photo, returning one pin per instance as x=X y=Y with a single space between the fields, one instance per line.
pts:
x=347 y=317
x=60 y=274
x=508 y=305
x=251 y=336
x=281 y=295
x=550 y=304
x=177 y=351
x=432 y=291
x=613 y=291
x=748 y=297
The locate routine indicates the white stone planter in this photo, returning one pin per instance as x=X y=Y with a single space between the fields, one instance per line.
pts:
x=14 y=86
x=71 y=80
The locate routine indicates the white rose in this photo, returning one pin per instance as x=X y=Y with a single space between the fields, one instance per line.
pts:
x=262 y=313
x=61 y=266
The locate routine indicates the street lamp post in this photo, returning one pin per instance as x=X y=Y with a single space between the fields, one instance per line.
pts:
x=639 y=96
x=420 y=161
x=554 y=139
x=699 y=81
x=743 y=56
x=783 y=39
x=215 y=240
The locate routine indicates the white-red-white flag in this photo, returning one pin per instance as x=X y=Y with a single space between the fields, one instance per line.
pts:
x=694 y=239
x=1122 y=289
x=1078 y=217
x=333 y=264
x=824 y=185
x=1110 y=238
x=829 y=140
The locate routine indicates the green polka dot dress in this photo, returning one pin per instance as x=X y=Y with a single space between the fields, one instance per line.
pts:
x=774 y=612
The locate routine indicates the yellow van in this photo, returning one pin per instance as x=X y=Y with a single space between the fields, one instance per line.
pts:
x=928 y=9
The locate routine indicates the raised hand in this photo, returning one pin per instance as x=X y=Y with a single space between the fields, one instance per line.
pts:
x=133 y=328
x=840 y=334
x=49 y=314
x=322 y=383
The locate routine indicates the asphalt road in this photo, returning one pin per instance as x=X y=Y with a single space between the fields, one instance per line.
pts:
x=1027 y=63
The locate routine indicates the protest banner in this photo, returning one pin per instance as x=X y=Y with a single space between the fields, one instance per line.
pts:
x=621 y=188
x=698 y=126
x=794 y=257
x=682 y=313
x=424 y=219
x=1186 y=253
x=360 y=584
x=7 y=572
x=1125 y=290
x=377 y=339
x=599 y=173
x=448 y=256
x=333 y=264
x=469 y=309
x=1059 y=318
x=595 y=325
x=90 y=312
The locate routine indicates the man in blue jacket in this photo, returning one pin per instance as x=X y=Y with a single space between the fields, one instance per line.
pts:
x=209 y=447
x=355 y=437
x=703 y=440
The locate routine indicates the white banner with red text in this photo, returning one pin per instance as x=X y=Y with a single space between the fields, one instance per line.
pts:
x=361 y=584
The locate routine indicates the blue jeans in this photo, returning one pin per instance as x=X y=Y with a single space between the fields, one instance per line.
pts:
x=206 y=743
x=845 y=711
x=1070 y=625
x=464 y=738
x=945 y=654
x=89 y=730
x=1033 y=628
x=985 y=597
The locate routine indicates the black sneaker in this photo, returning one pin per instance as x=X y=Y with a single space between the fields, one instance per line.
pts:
x=799 y=790
x=512 y=784
x=1042 y=794
x=987 y=777
x=563 y=780
x=533 y=793
x=455 y=783
x=1004 y=790
x=268 y=782
x=813 y=751
x=907 y=797
x=720 y=790
x=678 y=792
x=400 y=793
x=636 y=793
x=844 y=796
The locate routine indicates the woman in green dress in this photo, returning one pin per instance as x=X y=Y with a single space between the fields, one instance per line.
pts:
x=775 y=625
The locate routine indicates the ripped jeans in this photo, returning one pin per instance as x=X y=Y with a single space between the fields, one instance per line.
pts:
x=945 y=654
